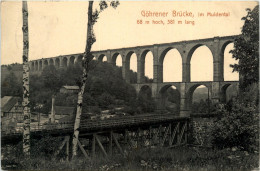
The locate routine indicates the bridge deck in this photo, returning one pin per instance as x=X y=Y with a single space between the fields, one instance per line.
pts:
x=88 y=126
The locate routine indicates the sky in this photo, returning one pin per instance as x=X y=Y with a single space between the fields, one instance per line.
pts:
x=59 y=28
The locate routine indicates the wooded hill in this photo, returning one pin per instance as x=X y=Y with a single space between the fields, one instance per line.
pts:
x=105 y=89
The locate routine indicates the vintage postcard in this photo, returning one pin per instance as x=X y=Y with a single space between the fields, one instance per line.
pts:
x=129 y=85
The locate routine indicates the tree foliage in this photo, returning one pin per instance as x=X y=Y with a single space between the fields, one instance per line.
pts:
x=11 y=86
x=246 y=49
x=51 y=78
x=145 y=102
x=103 y=80
x=238 y=121
x=238 y=124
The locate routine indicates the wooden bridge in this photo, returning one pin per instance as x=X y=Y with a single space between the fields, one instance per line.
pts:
x=114 y=133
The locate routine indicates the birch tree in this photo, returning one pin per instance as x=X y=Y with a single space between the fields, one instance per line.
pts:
x=87 y=58
x=26 y=107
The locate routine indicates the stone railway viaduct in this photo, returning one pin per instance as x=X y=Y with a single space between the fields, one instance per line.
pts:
x=217 y=87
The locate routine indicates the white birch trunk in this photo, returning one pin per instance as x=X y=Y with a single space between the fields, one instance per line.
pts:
x=26 y=107
x=85 y=62
x=52 y=117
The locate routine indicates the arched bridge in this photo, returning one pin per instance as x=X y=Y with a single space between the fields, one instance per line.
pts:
x=216 y=45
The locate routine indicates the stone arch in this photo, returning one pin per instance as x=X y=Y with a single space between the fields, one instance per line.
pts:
x=32 y=66
x=161 y=62
x=57 y=62
x=227 y=58
x=40 y=65
x=189 y=59
x=79 y=59
x=95 y=58
x=223 y=47
x=115 y=57
x=64 y=62
x=142 y=64
x=190 y=92
x=36 y=67
x=144 y=87
x=45 y=63
x=51 y=62
x=144 y=53
x=128 y=56
x=169 y=99
x=164 y=52
x=101 y=57
x=72 y=60
x=126 y=67
x=224 y=91
x=194 y=48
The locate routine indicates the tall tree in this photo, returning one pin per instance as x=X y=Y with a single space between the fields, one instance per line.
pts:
x=26 y=107
x=87 y=58
x=246 y=49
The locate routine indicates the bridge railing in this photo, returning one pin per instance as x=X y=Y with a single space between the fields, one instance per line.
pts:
x=95 y=124
x=35 y=128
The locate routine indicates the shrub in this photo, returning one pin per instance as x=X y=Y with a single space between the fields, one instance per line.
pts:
x=95 y=110
x=45 y=146
x=238 y=122
x=130 y=110
x=105 y=100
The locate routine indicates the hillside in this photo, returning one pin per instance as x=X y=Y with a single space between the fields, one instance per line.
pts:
x=15 y=68
x=105 y=88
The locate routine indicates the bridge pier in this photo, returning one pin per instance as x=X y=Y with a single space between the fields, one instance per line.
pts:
x=184 y=111
x=215 y=95
x=126 y=70
x=62 y=62
x=140 y=70
x=218 y=59
x=185 y=72
x=157 y=66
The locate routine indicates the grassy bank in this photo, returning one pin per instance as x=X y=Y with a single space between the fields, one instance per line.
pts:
x=179 y=158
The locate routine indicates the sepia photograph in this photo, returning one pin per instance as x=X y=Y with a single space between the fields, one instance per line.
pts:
x=130 y=85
